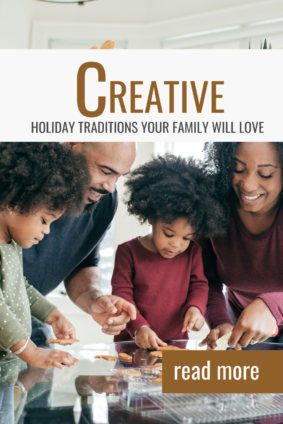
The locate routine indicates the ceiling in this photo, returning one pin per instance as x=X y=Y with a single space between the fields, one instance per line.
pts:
x=134 y=11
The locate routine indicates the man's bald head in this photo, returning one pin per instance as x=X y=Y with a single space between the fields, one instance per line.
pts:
x=107 y=161
x=124 y=152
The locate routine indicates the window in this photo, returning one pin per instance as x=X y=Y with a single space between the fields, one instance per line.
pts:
x=81 y=44
x=107 y=259
x=184 y=149
x=236 y=36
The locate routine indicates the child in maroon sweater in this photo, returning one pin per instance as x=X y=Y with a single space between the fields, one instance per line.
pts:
x=162 y=273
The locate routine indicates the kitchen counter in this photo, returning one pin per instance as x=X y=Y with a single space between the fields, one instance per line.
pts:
x=32 y=395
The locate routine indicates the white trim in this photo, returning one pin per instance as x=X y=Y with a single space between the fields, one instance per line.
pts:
x=223 y=35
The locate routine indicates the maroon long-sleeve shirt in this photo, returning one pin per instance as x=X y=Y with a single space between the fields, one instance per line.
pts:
x=161 y=289
x=251 y=266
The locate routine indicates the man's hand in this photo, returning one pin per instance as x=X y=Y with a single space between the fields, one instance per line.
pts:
x=148 y=339
x=193 y=320
x=112 y=313
x=255 y=322
x=215 y=334
x=61 y=326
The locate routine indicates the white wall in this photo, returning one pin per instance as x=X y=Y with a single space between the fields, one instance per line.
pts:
x=15 y=23
x=146 y=24
x=127 y=227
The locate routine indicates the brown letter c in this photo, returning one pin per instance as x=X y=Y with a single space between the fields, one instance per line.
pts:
x=81 y=89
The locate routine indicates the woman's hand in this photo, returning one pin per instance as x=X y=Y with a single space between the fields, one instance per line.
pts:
x=255 y=322
x=62 y=327
x=147 y=339
x=215 y=334
x=193 y=320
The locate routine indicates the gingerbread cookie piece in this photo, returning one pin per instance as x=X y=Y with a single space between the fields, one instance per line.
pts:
x=125 y=358
x=156 y=354
x=132 y=373
x=169 y=348
x=76 y=360
x=158 y=381
x=62 y=341
x=106 y=357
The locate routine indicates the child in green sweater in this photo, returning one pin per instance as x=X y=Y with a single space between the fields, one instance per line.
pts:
x=38 y=183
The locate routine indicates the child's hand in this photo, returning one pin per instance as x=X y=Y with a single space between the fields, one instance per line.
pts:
x=147 y=339
x=49 y=358
x=62 y=327
x=42 y=358
x=193 y=320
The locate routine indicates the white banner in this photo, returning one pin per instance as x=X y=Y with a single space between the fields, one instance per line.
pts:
x=145 y=95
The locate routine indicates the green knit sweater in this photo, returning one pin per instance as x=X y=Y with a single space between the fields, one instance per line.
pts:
x=18 y=301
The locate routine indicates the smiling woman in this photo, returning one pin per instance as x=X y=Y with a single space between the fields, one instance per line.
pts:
x=247 y=260
x=257 y=184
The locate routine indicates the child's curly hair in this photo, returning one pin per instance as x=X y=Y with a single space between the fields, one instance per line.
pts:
x=33 y=175
x=171 y=187
x=219 y=159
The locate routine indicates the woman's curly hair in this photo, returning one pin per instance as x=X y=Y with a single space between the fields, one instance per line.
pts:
x=33 y=175
x=170 y=187
x=218 y=161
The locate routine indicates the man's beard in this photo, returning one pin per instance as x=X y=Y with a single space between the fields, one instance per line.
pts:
x=90 y=207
